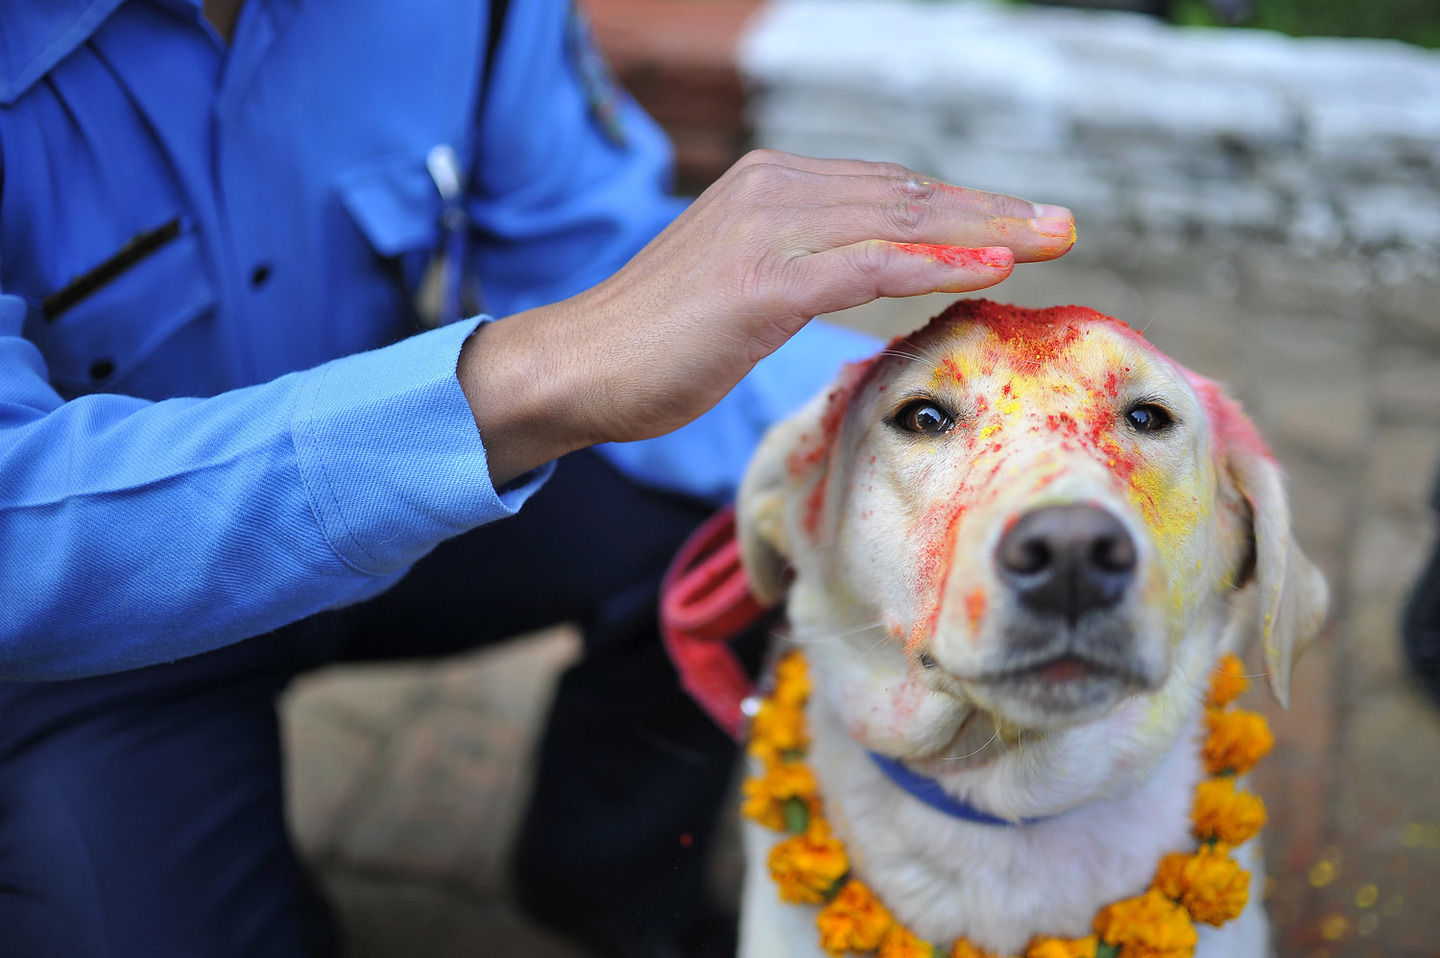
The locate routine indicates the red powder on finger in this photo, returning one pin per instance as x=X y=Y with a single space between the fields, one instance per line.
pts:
x=961 y=257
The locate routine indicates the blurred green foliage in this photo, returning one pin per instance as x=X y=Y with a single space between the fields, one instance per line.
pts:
x=1415 y=21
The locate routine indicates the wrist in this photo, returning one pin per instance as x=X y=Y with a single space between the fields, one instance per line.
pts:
x=525 y=396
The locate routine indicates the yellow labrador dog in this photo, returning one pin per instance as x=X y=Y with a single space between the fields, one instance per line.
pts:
x=1012 y=547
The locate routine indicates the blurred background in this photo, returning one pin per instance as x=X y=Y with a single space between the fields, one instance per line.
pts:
x=1263 y=203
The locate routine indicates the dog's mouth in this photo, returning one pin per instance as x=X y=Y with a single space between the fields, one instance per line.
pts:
x=1059 y=687
x=1066 y=668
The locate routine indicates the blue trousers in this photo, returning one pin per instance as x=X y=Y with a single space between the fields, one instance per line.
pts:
x=141 y=813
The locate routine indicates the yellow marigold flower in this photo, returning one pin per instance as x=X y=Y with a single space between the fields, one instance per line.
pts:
x=854 y=920
x=776 y=728
x=1147 y=926
x=1063 y=947
x=1225 y=814
x=792 y=681
x=1237 y=740
x=1228 y=681
x=963 y=949
x=1210 y=884
x=765 y=795
x=805 y=867
x=900 y=942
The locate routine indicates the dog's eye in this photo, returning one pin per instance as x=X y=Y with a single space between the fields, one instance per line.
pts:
x=1148 y=417
x=921 y=415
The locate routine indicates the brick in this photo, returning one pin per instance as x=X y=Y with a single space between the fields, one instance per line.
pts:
x=443 y=804
x=387 y=919
x=373 y=695
x=329 y=761
x=512 y=682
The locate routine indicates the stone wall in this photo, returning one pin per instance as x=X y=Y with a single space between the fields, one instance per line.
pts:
x=1175 y=135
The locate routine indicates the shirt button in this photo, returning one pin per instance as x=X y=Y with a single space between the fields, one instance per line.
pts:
x=259 y=275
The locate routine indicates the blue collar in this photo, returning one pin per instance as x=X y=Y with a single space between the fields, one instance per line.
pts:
x=929 y=791
x=36 y=36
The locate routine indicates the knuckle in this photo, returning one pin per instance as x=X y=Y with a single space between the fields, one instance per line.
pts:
x=905 y=217
x=761 y=178
x=920 y=188
x=868 y=259
x=761 y=157
x=894 y=170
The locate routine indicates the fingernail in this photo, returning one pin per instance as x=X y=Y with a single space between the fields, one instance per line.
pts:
x=1053 y=225
x=1044 y=209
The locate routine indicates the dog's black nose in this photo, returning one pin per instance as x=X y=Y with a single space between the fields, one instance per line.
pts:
x=1067 y=560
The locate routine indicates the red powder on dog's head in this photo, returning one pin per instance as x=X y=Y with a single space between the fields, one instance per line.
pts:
x=811 y=448
x=1036 y=336
x=1232 y=428
x=975 y=607
x=933 y=538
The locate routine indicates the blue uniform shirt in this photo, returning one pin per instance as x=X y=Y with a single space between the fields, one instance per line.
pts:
x=223 y=427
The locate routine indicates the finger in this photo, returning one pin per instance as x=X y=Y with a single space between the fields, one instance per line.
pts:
x=1031 y=239
x=845 y=182
x=822 y=210
x=857 y=274
x=820 y=165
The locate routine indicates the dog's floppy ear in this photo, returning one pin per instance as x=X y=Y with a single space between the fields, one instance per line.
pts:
x=1293 y=596
x=761 y=520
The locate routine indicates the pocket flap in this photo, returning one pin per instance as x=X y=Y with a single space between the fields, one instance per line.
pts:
x=394 y=202
x=104 y=334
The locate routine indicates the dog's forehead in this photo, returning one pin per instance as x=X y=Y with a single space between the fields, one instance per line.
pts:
x=977 y=338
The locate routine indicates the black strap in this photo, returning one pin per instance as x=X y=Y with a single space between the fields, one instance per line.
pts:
x=498 y=9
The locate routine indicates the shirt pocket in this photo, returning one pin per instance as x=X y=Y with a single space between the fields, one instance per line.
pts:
x=101 y=327
x=398 y=209
x=395 y=204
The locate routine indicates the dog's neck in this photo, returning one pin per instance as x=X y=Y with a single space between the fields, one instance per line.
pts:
x=946 y=877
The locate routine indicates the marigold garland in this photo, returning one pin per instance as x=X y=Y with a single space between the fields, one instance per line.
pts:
x=854 y=920
x=811 y=865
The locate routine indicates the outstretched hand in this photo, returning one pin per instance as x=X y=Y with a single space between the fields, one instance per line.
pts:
x=775 y=241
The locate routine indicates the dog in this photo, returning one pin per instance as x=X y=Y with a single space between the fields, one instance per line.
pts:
x=1012 y=547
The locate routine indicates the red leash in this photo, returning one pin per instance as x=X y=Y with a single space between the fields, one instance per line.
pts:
x=705 y=601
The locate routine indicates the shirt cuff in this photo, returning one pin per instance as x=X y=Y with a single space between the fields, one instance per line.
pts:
x=390 y=455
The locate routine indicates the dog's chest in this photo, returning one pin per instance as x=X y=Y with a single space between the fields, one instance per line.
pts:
x=996 y=886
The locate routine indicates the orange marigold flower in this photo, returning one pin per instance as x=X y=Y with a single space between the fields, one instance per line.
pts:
x=900 y=942
x=1063 y=947
x=1228 y=681
x=806 y=867
x=1210 y=884
x=776 y=728
x=1226 y=814
x=963 y=949
x=792 y=681
x=854 y=920
x=1237 y=739
x=765 y=795
x=1147 y=926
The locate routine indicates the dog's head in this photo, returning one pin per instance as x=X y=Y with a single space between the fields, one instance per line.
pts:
x=1034 y=515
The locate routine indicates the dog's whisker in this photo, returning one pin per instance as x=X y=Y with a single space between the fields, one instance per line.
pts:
x=902 y=354
x=961 y=758
x=1242 y=675
x=884 y=638
x=820 y=639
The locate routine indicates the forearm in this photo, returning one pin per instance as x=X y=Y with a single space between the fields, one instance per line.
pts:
x=133 y=533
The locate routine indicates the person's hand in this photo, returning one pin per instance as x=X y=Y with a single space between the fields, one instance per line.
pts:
x=774 y=242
